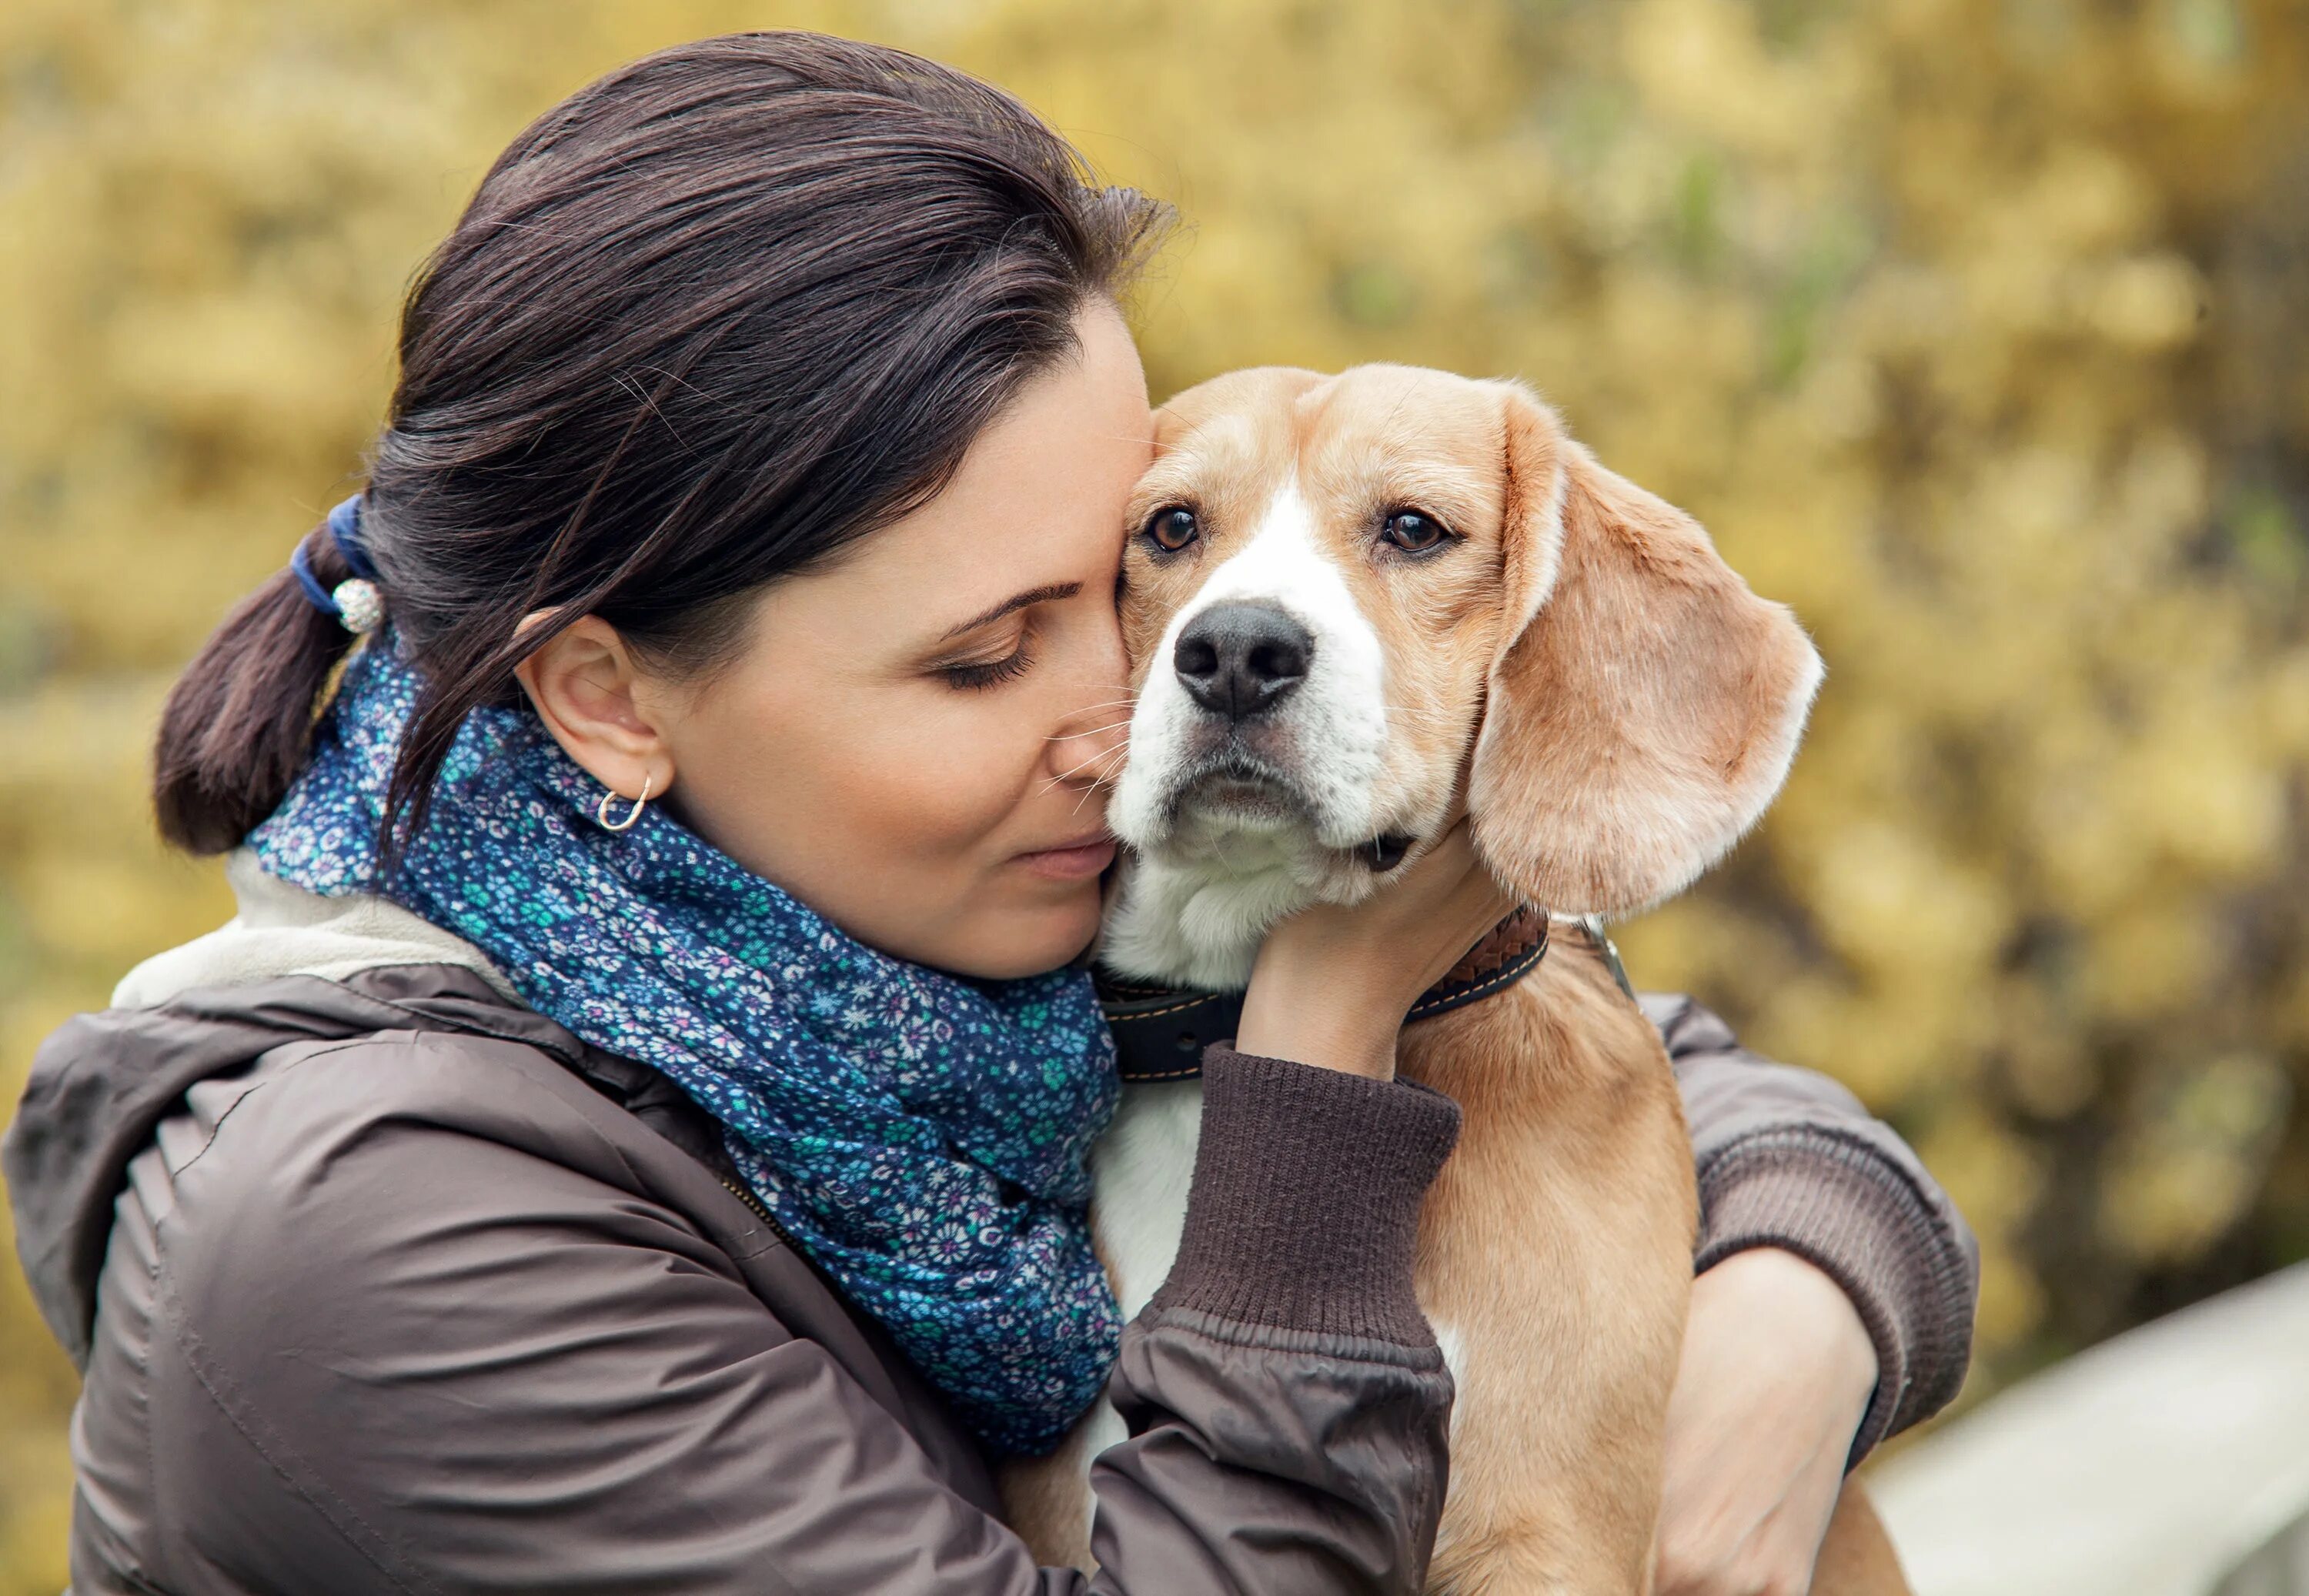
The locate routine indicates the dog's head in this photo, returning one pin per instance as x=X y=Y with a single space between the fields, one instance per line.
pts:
x=1345 y=591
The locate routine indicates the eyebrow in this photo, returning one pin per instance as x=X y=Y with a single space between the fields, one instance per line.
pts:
x=1016 y=601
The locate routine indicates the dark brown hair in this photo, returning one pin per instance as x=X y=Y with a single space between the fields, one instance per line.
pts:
x=706 y=322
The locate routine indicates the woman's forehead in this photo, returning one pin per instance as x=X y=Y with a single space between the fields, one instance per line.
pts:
x=1038 y=502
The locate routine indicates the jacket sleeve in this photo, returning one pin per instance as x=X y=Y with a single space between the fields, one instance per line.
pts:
x=1288 y=1405
x=1787 y=1158
x=395 y=1354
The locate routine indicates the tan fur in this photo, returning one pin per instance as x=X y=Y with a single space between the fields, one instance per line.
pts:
x=1622 y=708
x=1557 y=1245
x=1043 y=1498
x=1857 y=1557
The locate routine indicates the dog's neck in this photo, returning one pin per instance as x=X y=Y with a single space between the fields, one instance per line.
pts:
x=1197 y=920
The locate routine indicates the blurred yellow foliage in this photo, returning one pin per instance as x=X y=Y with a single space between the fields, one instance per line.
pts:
x=1978 y=332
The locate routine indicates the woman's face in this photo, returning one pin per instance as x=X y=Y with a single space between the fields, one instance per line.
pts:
x=914 y=741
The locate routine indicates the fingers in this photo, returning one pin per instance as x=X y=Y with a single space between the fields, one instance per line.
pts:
x=1719 y=1549
x=1455 y=871
x=1766 y=1400
x=1772 y=1558
x=1447 y=866
x=1469 y=900
x=1333 y=982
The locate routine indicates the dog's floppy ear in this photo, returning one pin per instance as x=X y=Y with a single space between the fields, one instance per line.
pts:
x=1643 y=706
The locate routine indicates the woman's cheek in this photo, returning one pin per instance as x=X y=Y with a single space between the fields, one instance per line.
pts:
x=925 y=824
x=893 y=814
x=943 y=793
x=926 y=789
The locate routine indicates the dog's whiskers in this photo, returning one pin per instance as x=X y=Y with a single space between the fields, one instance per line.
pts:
x=1111 y=703
x=1088 y=788
x=1060 y=736
x=1080 y=765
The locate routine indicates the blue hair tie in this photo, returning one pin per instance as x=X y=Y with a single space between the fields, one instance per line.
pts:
x=354 y=603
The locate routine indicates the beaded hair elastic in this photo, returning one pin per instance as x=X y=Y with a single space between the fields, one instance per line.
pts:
x=357 y=603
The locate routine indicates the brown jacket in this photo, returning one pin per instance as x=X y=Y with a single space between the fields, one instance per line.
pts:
x=384 y=1284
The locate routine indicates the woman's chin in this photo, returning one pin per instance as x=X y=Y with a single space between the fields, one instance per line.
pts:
x=1007 y=943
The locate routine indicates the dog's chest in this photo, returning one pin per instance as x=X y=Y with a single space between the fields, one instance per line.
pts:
x=1140 y=1171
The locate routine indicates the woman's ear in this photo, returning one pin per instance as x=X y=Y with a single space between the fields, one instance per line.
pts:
x=588 y=689
x=1644 y=706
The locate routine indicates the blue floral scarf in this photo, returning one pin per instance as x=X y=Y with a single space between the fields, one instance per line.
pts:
x=922 y=1137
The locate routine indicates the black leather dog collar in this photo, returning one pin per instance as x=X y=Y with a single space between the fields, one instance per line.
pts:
x=1160 y=1032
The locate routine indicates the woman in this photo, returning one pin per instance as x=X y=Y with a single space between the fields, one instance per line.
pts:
x=632 y=1135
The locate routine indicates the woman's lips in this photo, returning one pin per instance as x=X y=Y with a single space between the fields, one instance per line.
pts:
x=1072 y=861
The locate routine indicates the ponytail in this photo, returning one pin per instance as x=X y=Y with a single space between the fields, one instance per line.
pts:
x=233 y=732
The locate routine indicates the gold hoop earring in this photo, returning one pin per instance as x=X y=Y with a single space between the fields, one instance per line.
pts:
x=601 y=813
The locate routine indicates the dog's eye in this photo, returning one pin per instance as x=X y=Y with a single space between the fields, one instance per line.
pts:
x=1413 y=532
x=1173 y=529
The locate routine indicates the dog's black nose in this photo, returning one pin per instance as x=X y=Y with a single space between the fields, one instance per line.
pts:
x=1241 y=660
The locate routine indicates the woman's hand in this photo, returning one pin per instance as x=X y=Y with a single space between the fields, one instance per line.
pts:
x=1776 y=1373
x=1331 y=983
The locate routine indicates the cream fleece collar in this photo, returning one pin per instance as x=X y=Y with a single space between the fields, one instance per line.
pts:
x=283 y=929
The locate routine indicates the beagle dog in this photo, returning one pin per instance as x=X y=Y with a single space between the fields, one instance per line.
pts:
x=1347 y=596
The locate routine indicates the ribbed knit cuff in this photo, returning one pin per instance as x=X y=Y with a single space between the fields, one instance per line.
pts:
x=1305 y=1206
x=1838 y=1206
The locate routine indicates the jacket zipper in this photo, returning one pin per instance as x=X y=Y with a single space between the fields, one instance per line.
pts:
x=762 y=1213
x=754 y=1204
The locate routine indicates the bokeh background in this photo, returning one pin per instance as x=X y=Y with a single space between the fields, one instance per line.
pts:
x=1976 y=330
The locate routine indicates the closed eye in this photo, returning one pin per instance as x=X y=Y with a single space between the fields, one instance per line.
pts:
x=989 y=673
